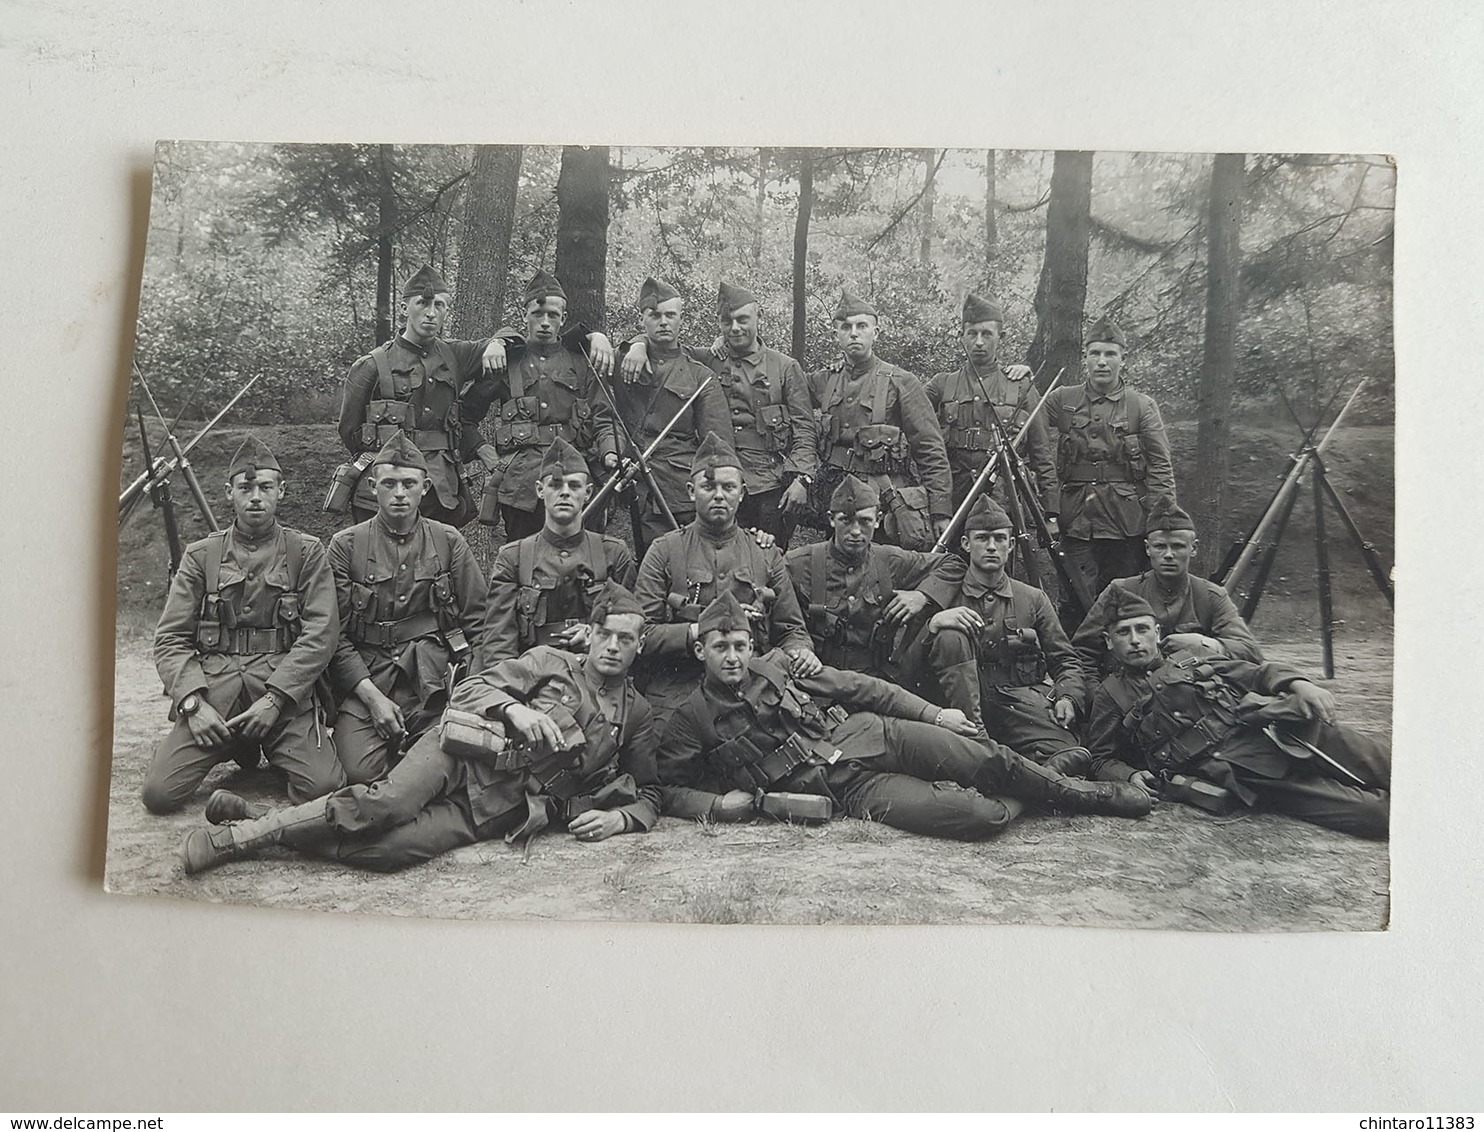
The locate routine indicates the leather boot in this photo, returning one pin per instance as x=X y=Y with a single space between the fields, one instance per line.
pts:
x=205 y=847
x=1035 y=783
x=224 y=806
x=1073 y=762
x=960 y=686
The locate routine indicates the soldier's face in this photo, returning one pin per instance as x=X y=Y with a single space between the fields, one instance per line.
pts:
x=987 y=550
x=544 y=320
x=255 y=497
x=1170 y=552
x=725 y=656
x=740 y=328
x=615 y=644
x=718 y=495
x=856 y=336
x=399 y=490
x=423 y=316
x=1134 y=642
x=982 y=342
x=564 y=495
x=1104 y=362
x=854 y=532
x=662 y=322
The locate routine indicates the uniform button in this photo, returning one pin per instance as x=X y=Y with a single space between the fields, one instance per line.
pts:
x=403 y=599
x=566 y=553
x=247 y=609
x=543 y=404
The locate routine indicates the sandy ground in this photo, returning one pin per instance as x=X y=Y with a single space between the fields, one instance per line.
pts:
x=1179 y=868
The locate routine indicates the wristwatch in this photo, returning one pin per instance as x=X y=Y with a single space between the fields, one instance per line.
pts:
x=189 y=705
x=276 y=697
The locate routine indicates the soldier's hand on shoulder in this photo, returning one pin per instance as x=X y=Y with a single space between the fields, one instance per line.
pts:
x=596 y=825
x=534 y=726
x=494 y=356
x=762 y=538
x=635 y=361
x=719 y=348
x=803 y=664
x=959 y=617
x=903 y=606
x=1018 y=373
x=601 y=352
x=208 y=728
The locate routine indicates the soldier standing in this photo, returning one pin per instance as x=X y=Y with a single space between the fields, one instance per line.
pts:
x=965 y=399
x=876 y=750
x=857 y=594
x=1193 y=614
x=650 y=398
x=548 y=392
x=877 y=423
x=685 y=570
x=419 y=383
x=1261 y=731
x=542 y=588
x=584 y=761
x=1112 y=459
x=996 y=640
x=411 y=600
x=249 y=627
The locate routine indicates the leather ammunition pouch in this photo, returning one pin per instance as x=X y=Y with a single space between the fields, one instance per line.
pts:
x=215 y=635
x=468 y=735
x=532 y=600
x=908 y=522
x=1187 y=712
x=774 y=428
x=881 y=448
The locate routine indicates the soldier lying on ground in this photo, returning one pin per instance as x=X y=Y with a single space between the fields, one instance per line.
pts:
x=247 y=631
x=574 y=749
x=411 y=601
x=875 y=750
x=1261 y=731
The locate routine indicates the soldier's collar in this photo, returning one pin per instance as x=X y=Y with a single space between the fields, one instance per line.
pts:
x=753 y=356
x=241 y=536
x=560 y=541
x=408 y=344
x=399 y=536
x=864 y=368
x=1182 y=587
x=839 y=555
x=974 y=588
x=1114 y=394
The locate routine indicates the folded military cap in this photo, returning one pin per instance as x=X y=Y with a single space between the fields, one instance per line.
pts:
x=1105 y=330
x=713 y=453
x=1123 y=604
x=252 y=456
x=654 y=292
x=986 y=515
x=729 y=298
x=427 y=282
x=613 y=601
x=1167 y=515
x=561 y=459
x=979 y=309
x=853 y=495
x=400 y=450
x=543 y=286
x=724 y=615
x=852 y=305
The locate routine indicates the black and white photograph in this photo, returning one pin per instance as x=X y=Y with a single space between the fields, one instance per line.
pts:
x=851 y=535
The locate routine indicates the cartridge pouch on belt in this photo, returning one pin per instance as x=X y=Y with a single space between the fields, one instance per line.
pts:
x=1187 y=713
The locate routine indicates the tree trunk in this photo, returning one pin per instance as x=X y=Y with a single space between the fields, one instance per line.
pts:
x=757 y=213
x=582 y=233
x=801 y=245
x=991 y=227
x=484 y=244
x=1061 y=293
x=929 y=199
x=386 y=224
x=1218 y=366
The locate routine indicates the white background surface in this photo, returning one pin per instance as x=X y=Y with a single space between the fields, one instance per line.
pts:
x=147 y=1004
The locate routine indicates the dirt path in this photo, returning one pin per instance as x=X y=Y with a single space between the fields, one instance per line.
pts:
x=1179 y=868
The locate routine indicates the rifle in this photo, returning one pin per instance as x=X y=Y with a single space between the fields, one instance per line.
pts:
x=986 y=476
x=622 y=478
x=159 y=494
x=131 y=494
x=628 y=439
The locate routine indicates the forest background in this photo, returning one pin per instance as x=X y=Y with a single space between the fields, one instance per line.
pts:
x=1243 y=280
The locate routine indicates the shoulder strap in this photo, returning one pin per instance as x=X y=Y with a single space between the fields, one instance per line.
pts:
x=818 y=564
x=516 y=379
x=212 y=568
x=298 y=550
x=878 y=395
x=773 y=368
x=885 y=584
x=360 y=553
x=384 y=384
x=445 y=355
x=598 y=554
x=525 y=561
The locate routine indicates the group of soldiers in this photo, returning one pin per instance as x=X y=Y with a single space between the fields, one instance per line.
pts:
x=894 y=671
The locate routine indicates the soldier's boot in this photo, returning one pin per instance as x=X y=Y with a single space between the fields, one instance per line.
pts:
x=1200 y=793
x=1073 y=762
x=224 y=806
x=807 y=808
x=205 y=847
x=960 y=687
x=1034 y=783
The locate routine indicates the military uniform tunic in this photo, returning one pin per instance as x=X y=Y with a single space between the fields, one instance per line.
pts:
x=275 y=626
x=563 y=582
x=873 y=420
x=883 y=761
x=399 y=598
x=433 y=397
x=433 y=802
x=963 y=400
